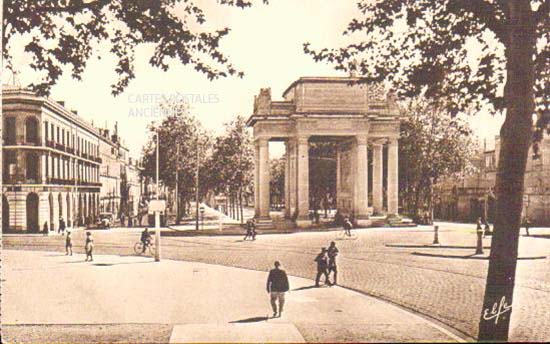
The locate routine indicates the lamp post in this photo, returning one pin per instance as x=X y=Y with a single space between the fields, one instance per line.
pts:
x=157 y=213
x=197 y=187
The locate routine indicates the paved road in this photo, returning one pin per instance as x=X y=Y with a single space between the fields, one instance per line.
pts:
x=46 y=291
x=444 y=283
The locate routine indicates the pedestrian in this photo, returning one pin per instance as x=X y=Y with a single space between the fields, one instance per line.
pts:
x=250 y=230
x=478 y=224
x=332 y=252
x=277 y=286
x=68 y=244
x=322 y=266
x=89 y=247
x=61 y=226
x=486 y=229
x=348 y=225
x=45 y=228
x=527 y=225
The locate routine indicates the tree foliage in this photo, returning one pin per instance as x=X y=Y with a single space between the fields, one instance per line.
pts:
x=230 y=167
x=433 y=146
x=62 y=33
x=427 y=47
x=492 y=54
x=180 y=135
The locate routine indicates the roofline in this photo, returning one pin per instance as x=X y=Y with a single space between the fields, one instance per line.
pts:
x=336 y=79
x=27 y=95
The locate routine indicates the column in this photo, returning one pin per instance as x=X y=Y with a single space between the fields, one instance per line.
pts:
x=377 y=166
x=338 y=177
x=292 y=176
x=256 y=180
x=303 y=181
x=361 y=179
x=264 y=177
x=393 y=177
x=287 y=180
x=44 y=168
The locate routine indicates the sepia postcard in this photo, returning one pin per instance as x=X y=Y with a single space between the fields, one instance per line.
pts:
x=275 y=171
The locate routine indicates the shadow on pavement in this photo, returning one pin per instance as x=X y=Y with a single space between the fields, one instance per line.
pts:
x=434 y=246
x=305 y=288
x=249 y=320
x=541 y=236
x=469 y=256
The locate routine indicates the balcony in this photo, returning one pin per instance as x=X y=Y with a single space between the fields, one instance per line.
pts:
x=60 y=146
x=50 y=143
x=70 y=150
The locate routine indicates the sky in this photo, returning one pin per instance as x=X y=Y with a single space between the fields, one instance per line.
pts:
x=265 y=42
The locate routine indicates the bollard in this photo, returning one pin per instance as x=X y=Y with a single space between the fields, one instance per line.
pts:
x=479 y=248
x=436 y=235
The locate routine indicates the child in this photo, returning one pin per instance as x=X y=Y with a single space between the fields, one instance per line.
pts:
x=68 y=244
x=89 y=246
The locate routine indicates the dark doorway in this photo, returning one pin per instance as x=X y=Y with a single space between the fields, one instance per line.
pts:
x=32 y=213
x=5 y=214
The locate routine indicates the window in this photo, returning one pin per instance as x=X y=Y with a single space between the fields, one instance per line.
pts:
x=57 y=135
x=9 y=131
x=31 y=167
x=10 y=161
x=46 y=131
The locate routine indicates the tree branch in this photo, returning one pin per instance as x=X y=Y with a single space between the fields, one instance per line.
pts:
x=485 y=12
x=542 y=12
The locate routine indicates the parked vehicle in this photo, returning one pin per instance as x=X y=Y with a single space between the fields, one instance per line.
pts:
x=105 y=220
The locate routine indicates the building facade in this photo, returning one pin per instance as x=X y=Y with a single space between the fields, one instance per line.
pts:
x=51 y=164
x=341 y=110
x=473 y=196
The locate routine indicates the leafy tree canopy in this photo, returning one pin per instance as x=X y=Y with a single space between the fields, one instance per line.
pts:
x=64 y=33
x=424 y=46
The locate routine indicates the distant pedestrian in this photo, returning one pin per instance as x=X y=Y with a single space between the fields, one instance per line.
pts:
x=277 y=285
x=348 y=225
x=322 y=266
x=486 y=229
x=68 y=244
x=250 y=230
x=45 y=228
x=89 y=247
x=527 y=225
x=478 y=224
x=332 y=252
x=61 y=226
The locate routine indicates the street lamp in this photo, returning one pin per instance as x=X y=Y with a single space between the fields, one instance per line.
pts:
x=157 y=212
x=197 y=186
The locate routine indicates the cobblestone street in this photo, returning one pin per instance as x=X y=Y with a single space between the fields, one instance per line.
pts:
x=444 y=283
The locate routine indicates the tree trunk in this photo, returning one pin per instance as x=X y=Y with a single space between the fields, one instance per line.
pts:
x=241 y=204
x=516 y=137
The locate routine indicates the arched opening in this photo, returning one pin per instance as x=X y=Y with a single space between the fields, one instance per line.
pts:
x=60 y=203
x=9 y=132
x=68 y=210
x=32 y=213
x=5 y=214
x=31 y=167
x=31 y=130
x=50 y=202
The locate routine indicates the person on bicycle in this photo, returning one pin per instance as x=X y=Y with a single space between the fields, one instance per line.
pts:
x=347 y=226
x=145 y=238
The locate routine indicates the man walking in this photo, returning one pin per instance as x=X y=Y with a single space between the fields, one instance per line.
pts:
x=61 y=226
x=68 y=244
x=322 y=265
x=332 y=253
x=277 y=285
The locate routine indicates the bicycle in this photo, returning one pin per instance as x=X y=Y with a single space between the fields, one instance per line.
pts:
x=138 y=248
x=343 y=235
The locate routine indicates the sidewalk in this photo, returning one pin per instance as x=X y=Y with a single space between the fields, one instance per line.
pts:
x=200 y=302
